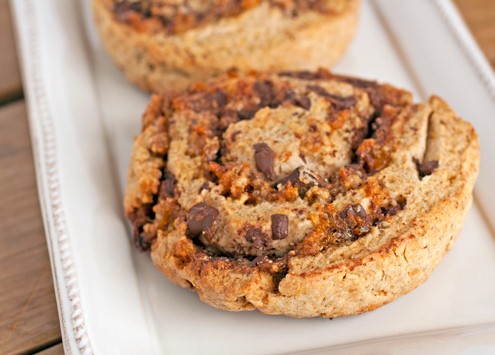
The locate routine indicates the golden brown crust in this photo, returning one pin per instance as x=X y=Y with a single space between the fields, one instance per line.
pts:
x=300 y=193
x=252 y=35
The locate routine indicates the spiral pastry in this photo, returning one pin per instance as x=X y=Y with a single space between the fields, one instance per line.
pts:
x=299 y=193
x=167 y=44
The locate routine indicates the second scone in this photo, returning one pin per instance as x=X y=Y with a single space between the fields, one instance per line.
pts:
x=165 y=45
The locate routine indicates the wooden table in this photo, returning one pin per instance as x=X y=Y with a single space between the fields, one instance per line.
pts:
x=28 y=311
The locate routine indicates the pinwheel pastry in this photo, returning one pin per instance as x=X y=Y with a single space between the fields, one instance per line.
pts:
x=299 y=193
x=167 y=44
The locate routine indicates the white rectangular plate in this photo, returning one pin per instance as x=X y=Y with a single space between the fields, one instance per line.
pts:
x=83 y=116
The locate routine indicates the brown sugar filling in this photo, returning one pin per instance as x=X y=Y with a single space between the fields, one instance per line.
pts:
x=175 y=17
x=222 y=108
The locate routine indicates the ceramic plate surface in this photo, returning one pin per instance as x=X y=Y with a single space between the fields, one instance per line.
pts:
x=83 y=117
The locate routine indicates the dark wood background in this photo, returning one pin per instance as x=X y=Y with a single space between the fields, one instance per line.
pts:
x=28 y=312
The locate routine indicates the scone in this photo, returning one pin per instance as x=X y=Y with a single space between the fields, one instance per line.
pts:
x=167 y=44
x=299 y=193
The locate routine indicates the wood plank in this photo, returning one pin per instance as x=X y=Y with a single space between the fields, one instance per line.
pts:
x=10 y=78
x=480 y=18
x=28 y=311
x=53 y=350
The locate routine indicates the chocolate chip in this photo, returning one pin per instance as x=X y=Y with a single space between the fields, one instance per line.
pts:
x=293 y=178
x=353 y=211
x=246 y=114
x=356 y=219
x=303 y=179
x=201 y=101
x=342 y=102
x=139 y=218
x=303 y=75
x=202 y=220
x=167 y=186
x=256 y=236
x=301 y=101
x=350 y=224
x=264 y=157
x=122 y=9
x=219 y=98
x=426 y=168
x=280 y=226
x=264 y=90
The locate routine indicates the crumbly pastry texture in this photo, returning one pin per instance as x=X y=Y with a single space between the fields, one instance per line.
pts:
x=165 y=45
x=299 y=193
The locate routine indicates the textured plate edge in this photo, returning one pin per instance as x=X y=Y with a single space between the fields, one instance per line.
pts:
x=42 y=130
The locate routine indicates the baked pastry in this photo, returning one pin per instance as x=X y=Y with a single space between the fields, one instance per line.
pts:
x=299 y=193
x=167 y=44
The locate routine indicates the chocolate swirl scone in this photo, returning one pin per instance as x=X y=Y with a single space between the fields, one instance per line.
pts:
x=167 y=44
x=303 y=193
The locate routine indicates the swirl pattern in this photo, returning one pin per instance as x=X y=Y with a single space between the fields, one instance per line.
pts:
x=174 y=16
x=301 y=193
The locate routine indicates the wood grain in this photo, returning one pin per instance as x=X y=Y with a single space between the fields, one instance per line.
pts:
x=10 y=78
x=28 y=312
x=54 y=350
x=480 y=18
